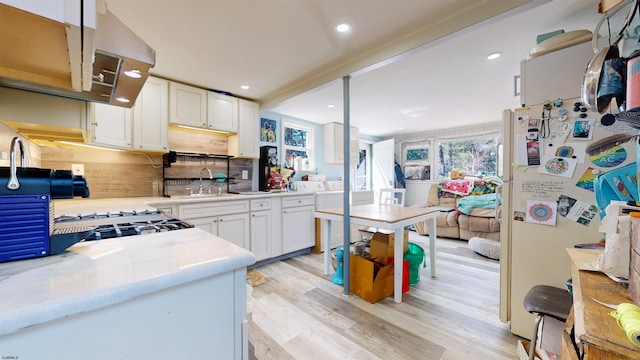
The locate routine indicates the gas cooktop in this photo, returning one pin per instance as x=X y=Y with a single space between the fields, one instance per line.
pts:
x=119 y=224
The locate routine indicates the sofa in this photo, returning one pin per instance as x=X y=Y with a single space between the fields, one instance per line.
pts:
x=456 y=224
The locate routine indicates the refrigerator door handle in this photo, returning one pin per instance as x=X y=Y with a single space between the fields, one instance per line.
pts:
x=498 y=207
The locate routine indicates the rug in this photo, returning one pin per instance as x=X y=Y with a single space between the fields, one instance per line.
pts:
x=255 y=278
x=485 y=247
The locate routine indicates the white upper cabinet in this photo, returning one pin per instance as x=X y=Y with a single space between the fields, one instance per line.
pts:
x=150 y=116
x=222 y=112
x=244 y=144
x=202 y=109
x=187 y=105
x=334 y=144
x=109 y=126
x=143 y=127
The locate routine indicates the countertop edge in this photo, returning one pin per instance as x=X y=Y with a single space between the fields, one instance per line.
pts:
x=68 y=307
x=231 y=259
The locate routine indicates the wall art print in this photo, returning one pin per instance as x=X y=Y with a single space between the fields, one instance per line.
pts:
x=268 y=130
x=541 y=212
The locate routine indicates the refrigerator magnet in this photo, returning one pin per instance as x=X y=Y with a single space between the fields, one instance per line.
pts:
x=610 y=158
x=582 y=130
x=557 y=166
x=574 y=150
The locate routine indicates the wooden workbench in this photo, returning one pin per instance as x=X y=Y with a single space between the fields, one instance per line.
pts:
x=597 y=335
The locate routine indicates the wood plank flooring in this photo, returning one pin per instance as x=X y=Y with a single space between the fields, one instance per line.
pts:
x=301 y=314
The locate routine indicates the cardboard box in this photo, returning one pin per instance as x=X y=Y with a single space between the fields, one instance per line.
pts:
x=382 y=246
x=370 y=280
x=634 y=277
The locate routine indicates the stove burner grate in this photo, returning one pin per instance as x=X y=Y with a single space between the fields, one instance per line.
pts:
x=137 y=228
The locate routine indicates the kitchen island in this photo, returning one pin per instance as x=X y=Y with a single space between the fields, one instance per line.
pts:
x=168 y=295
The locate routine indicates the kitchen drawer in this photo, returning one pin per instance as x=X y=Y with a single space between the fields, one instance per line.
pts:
x=260 y=204
x=167 y=210
x=295 y=201
x=212 y=208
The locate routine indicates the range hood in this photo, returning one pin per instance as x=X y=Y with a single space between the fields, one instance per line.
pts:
x=41 y=54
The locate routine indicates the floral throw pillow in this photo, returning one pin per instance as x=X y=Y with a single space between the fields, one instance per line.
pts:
x=457 y=187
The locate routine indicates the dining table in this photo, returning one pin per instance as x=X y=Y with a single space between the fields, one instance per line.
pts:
x=392 y=218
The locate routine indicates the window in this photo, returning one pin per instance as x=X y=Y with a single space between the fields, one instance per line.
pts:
x=362 y=173
x=475 y=156
x=298 y=146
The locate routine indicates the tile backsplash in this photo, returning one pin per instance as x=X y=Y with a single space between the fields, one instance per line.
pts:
x=113 y=174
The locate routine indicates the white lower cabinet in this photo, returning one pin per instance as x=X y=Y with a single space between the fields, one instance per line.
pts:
x=233 y=227
x=261 y=228
x=188 y=320
x=261 y=234
x=268 y=227
x=226 y=219
x=298 y=224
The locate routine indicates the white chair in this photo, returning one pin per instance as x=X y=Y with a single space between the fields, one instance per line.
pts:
x=388 y=196
x=392 y=197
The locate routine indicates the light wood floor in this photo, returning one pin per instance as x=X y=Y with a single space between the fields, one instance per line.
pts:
x=301 y=314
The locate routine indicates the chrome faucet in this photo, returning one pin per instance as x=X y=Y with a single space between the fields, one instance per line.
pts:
x=200 y=189
x=13 y=183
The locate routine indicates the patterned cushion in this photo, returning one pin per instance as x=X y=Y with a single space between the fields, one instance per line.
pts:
x=479 y=188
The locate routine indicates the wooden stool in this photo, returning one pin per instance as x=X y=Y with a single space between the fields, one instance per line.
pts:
x=544 y=300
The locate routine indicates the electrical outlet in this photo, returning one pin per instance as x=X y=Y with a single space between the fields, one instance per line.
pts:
x=77 y=169
x=3 y=155
x=245 y=174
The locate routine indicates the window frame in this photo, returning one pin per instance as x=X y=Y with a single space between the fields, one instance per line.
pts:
x=498 y=136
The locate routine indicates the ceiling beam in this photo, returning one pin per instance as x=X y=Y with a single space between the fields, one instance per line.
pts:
x=480 y=13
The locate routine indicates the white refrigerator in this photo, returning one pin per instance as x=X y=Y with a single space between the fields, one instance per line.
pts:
x=548 y=204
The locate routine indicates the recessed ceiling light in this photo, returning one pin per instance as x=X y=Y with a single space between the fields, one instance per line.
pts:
x=122 y=99
x=331 y=106
x=133 y=74
x=343 y=28
x=245 y=87
x=493 y=56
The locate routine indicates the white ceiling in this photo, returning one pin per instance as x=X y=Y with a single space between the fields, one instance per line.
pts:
x=410 y=66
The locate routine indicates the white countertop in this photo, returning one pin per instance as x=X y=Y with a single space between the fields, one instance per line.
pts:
x=95 y=274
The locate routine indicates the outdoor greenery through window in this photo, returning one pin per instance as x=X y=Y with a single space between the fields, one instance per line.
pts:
x=475 y=156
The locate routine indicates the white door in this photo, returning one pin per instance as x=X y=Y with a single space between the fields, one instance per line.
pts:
x=383 y=166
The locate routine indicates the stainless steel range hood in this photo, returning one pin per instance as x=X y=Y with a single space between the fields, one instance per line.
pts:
x=39 y=54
